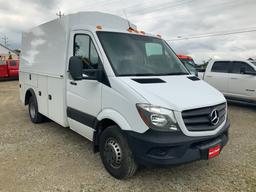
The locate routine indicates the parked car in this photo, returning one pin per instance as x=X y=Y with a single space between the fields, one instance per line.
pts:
x=124 y=90
x=236 y=79
x=189 y=63
x=9 y=69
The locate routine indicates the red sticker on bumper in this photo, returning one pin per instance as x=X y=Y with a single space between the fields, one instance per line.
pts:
x=214 y=151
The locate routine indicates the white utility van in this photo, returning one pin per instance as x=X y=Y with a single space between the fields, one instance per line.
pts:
x=124 y=90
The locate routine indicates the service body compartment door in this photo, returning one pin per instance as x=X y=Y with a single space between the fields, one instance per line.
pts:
x=56 y=100
x=42 y=94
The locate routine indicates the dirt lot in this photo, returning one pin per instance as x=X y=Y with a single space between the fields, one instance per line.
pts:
x=47 y=157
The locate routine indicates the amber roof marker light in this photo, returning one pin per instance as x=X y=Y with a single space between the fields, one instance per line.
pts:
x=130 y=29
x=99 y=27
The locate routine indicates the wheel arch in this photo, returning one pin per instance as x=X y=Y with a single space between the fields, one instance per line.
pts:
x=105 y=119
x=30 y=93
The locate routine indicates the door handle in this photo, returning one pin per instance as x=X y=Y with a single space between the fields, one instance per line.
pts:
x=250 y=90
x=233 y=78
x=208 y=76
x=73 y=83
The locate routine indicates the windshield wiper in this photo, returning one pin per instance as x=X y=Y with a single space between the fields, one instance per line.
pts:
x=179 y=73
x=139 y=74
x=154 y=74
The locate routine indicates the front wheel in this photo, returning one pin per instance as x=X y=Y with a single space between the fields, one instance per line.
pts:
x=116 y=154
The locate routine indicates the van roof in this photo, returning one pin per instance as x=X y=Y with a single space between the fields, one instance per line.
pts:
x=93 y=19
x=90 y=20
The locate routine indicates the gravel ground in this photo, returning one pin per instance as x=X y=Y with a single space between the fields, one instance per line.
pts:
x=47 y=157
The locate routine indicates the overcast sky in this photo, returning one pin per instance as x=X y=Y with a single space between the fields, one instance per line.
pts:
x=173 y=19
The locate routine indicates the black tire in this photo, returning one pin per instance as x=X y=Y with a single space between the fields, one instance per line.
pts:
x=112 y=142
x=34 y=115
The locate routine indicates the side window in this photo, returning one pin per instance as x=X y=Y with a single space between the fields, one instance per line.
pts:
x=81 y=46
x=220 y=67
x=13 y=63
x=2 y=62
x=239 y=67
x=84 y=47
x=94 y=57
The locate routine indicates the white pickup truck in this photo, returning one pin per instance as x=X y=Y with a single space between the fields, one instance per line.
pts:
x=235 y=79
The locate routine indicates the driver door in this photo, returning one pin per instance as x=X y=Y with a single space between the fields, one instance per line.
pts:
x=242 y=85
x=3 y=69
x=83 y=96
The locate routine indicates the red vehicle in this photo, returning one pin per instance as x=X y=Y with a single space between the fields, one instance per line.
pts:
x=9 y=68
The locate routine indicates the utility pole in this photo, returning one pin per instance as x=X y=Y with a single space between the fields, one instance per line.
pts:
x=5 y=40
x=59 y=14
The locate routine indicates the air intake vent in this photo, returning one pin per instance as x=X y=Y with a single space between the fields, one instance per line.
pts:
x=151 y=80
x=193 y=78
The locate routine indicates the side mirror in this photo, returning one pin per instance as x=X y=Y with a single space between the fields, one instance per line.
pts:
x=76 y=67
x=250 y=72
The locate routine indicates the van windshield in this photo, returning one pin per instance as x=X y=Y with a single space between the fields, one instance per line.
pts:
x=137 y=55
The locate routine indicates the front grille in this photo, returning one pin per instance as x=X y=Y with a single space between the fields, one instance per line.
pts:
x=200 y=120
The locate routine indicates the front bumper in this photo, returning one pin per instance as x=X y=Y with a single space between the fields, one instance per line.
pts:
x=154 y=148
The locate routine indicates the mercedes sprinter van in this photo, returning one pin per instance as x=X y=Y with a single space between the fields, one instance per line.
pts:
x=121 y=88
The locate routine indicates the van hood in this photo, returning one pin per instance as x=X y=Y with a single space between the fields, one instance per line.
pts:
x=175 y=92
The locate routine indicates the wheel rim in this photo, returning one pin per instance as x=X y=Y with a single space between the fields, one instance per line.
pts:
x=113 y=153
x=32 y=110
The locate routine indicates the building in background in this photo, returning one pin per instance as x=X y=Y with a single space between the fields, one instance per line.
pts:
x=6 y=53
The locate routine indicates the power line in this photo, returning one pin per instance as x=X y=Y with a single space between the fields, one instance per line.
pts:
x=133 y=5
x=162 y=6
x=226 y=31
x=182 y=2
x=213 y=34
x=144 y=11
x=90 y=5
x=201 y=10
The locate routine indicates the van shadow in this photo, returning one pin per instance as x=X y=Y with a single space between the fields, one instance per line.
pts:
x=246 y=106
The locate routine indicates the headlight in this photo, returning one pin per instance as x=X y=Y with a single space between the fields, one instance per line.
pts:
x=157 y=118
